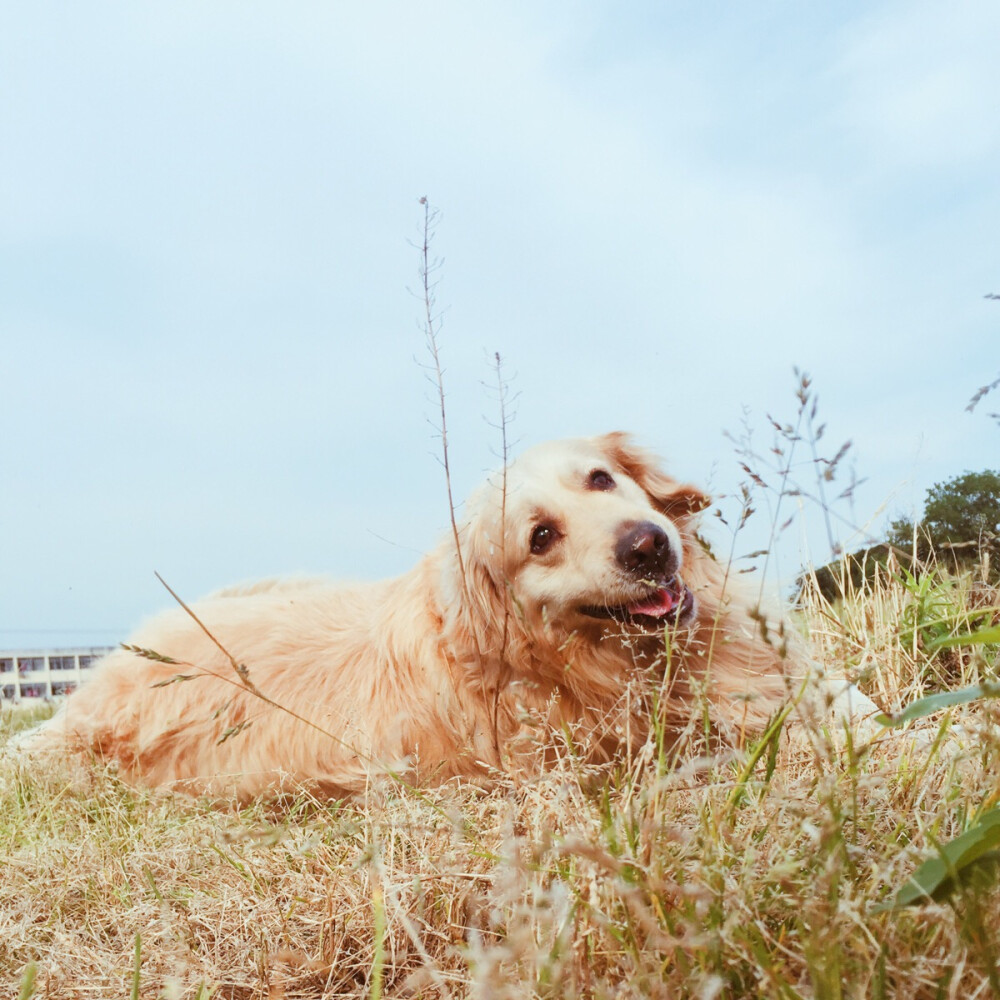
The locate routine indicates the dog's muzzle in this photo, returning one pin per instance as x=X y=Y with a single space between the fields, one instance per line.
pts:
x=644 y=552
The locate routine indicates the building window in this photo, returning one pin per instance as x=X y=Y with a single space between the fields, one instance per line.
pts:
x=7 y=691
x=63 y=687
x=6 y=666
x=26 y=664
x=88 y=661
x=62 y=662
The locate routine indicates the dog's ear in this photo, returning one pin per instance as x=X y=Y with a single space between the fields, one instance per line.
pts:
x=676 y=500
x=473 y=586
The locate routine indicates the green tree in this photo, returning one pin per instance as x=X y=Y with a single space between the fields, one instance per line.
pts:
x=961 y=519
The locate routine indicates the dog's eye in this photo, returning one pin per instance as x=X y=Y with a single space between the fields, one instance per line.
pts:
x=542 y=538
x=600 y=480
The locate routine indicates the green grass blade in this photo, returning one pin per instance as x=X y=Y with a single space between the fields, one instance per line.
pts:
x=28 y=982
x=768 y=743
x=935 y=702
x=978 y=638
x=938 y=876
x=137 y=967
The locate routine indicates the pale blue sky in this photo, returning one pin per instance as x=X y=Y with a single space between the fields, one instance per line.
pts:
x=652 y=210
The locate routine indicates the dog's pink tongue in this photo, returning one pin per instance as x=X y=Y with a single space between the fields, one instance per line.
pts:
x=661 y=603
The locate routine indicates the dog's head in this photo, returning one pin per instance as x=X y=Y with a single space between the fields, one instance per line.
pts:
x=582 y=534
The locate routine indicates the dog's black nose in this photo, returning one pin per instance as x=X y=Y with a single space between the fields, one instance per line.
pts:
x=644 y=550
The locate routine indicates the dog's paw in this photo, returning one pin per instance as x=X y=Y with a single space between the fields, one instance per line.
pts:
x=838 y=707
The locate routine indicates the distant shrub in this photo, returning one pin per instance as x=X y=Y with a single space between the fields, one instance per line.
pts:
x=960 y=526
x=959 y=531
x=853 y=573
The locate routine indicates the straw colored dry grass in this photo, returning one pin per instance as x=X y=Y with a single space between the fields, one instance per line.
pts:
x=655 y=879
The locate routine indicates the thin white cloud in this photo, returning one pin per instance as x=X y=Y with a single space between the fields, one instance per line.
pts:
x=920 y=81
x=652 y=214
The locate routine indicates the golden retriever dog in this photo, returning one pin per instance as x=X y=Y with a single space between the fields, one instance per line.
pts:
x=577 y=598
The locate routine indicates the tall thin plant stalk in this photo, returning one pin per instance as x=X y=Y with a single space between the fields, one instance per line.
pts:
x=502 y=389
x=428 y=268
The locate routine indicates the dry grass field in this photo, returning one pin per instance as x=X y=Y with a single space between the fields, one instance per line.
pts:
x=770 y=871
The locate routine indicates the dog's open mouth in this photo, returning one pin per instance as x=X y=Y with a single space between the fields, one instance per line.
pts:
x=669 y=603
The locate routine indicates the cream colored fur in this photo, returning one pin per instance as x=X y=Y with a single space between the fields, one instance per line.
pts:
x=437 y=674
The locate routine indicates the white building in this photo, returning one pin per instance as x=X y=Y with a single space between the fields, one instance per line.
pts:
x=45 y=673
